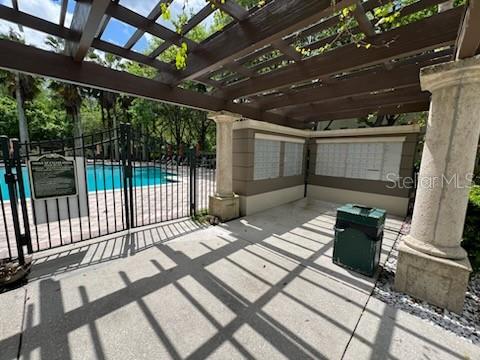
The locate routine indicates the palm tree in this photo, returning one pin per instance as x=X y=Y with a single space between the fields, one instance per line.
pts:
x=107 y=99
x=72 y=100
x=23 y=88
x=71 y=96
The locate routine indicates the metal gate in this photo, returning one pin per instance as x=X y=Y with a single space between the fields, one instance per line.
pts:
x=126 y=178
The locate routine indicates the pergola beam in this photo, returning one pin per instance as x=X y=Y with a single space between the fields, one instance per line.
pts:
x=194 y=21
x=430 y=33
x=282 y=17
x=63 y=13
x=86 y=20
x=164 y=68
x=233 y=9
x=286 y=49
x=468 y=42
x=356 y=113
x=47 y=27
x=392 y=98
x=34 y=61
x=367 y=6
x=33 y=22
x=364 y=23
x=374 y=80
x=153 y=16
x=131 y=18
x=15 y=6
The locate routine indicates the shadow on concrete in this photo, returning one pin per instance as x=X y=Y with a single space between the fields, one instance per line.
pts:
x=47 y=328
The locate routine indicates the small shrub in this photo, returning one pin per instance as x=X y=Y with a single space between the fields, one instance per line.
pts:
x=471 y=231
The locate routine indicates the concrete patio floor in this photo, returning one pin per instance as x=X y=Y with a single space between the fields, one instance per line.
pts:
x=263 y=286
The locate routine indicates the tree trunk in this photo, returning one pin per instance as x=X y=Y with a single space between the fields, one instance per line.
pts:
x=22 y=121
x=77 y=129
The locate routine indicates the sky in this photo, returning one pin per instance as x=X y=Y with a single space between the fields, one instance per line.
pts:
x=116 y=32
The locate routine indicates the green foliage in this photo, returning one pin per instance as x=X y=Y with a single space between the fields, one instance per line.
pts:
x=179 y=54
x=181 y=57
x=8 y=117
x=165 y=11
x=46 y=119
x=471 y=231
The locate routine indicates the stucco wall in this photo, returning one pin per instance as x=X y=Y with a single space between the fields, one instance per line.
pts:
x=363 y=185
x=243 y=174
x=258 y=195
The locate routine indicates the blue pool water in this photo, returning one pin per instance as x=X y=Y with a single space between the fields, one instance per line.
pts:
x=101 y=177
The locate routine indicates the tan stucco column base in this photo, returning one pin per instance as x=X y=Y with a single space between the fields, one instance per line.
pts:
x=225 y=208
x=224 y=204
x=439 y=281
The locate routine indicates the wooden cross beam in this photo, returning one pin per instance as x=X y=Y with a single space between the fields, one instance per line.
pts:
x=153 y=16
x=364 y=23
x=232 y=8
x=408 y=95
x=86 y=20
x=468 y=42
x=194 y=21
x=31 y=60
x=33 y=22
x=363 y=83
x=340 y=114
x=63 y=13
x=272 y=22
x=430 y=33
x=50 y=28
x=15 y=6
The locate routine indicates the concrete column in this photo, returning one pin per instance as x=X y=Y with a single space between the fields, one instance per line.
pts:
x=432 y=265
x=224 y=204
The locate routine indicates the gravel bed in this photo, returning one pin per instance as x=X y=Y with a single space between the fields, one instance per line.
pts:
x=466 y=325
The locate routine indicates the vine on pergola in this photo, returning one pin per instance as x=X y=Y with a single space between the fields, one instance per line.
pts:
x=387 y=15
x=182 y=50
x=384 y=17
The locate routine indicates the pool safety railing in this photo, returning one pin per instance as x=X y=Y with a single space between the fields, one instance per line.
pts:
x=124 y=178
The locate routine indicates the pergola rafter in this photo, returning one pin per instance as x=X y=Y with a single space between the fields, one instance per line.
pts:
x=340 y=114
x=86 y=21
x=63 y=13
x=232 y=8
x=153 y=16
x=412 y=94
x=254 y=66
x=329 y=22
x=408 y=39
x=18 y=57
x=468 y=42
x=282 y=18
x=378 y=79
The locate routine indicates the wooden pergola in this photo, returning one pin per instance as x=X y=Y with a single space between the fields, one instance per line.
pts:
x=253 y=67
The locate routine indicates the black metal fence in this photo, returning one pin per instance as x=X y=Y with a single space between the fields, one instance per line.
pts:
x=126 y=178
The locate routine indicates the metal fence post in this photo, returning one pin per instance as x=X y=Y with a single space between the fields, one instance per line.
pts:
x=128 y=130
x=124 y=149
x=193 y=181
x=11 y=180
x=26 y=237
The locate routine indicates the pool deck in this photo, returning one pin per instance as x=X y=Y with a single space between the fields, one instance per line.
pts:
x=260 y=287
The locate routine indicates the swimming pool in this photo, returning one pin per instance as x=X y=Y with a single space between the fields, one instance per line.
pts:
x=101 y=177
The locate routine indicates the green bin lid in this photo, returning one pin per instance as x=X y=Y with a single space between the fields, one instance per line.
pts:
x=362 y=215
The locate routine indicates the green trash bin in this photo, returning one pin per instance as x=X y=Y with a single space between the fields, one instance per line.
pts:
x=358 y=238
